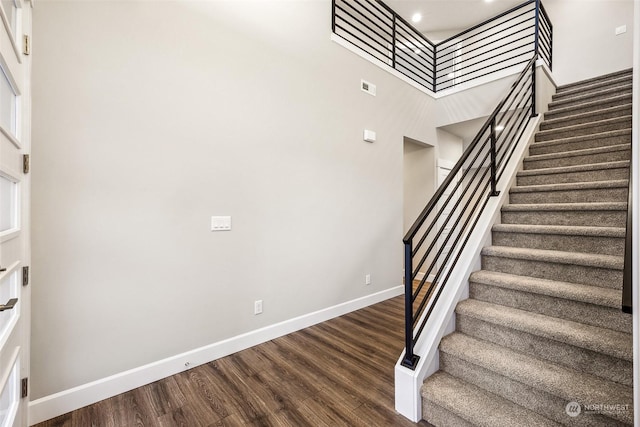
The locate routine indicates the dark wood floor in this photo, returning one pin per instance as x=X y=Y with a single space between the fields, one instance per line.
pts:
x=337 y=373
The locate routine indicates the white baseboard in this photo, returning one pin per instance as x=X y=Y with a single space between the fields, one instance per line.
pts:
x=65 y=401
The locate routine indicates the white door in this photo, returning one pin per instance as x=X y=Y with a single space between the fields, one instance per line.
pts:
x=15 y=134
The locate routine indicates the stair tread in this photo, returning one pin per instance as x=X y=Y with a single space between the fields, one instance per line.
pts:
x=606 y=341
x=580 y=138
x=478 y=406
x=577 y=98
x=570 y=186
x=596 y=295
x=603 y=87
x=560 y=257
x=567 y=230
x=562 y=110
x=549 y=377
x=627 y=73
x=594 y=123
x=582 y=152
x=587 y=114
x=593 y=206
x=575 y=168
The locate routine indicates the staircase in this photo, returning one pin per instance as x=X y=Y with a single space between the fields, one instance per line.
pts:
x=543 y=326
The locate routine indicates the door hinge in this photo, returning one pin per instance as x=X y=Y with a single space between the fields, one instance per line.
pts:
x=24 y=387
x=25 y=276
x=26 y=45
x=26 y=166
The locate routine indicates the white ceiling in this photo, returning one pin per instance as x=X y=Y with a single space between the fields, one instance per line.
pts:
x=449 y=15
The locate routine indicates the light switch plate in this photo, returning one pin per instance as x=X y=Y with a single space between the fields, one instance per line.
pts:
x=220 y=223
x=369 y=135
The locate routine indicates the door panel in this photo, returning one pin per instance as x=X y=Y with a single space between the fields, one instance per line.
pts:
x=15 y=253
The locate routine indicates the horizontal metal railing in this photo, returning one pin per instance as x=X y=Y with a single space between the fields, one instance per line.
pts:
x=436 y=240
x=376 y=29
x=503 y=42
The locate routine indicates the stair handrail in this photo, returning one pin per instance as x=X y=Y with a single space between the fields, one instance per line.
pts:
x=413 y=329
x=627 y=273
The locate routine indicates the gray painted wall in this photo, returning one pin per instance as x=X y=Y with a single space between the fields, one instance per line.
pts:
x=149 y=117
x=584 y=40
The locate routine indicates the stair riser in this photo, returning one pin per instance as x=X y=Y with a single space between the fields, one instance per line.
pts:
x=571 y=196
x=579 y=218
x=573 y=101
x=569 y=177
x=438 y=416
x=602 y=115
x=577 y=311
x=540 y=401
x=560 y=242
x=579 y=144
x=584 y=129
x=595 y=276
x=611 y=156
x=583 y=360
x=587 y=107
x=612 y=86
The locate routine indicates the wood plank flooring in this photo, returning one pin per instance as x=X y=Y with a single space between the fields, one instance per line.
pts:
x=337 y=373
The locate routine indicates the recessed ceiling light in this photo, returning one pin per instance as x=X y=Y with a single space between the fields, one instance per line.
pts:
x=417 y=51
x=488 y=1
x=499 y=128
x=416 y=17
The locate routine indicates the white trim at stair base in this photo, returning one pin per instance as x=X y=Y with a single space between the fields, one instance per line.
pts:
x=68 y=400
x=408 y=400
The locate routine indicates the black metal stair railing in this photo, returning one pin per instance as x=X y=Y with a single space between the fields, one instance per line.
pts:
x=504 y=42
x=518 y=36
x=436 y=240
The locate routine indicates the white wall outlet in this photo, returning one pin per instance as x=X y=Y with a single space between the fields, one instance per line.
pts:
x=220 y=223
x=370 y=88
x=257 y=307
x=621 y=30
x=367 y=279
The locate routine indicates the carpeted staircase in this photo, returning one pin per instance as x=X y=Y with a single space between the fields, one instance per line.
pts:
x=543 y=326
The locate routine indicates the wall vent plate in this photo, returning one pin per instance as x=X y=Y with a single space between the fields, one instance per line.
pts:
x=621 y=30
x=368 y=87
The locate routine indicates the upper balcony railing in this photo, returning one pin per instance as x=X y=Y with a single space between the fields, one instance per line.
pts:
x=504 y=42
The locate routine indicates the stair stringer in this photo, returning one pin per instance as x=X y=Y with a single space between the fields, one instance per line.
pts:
x=408 y=401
